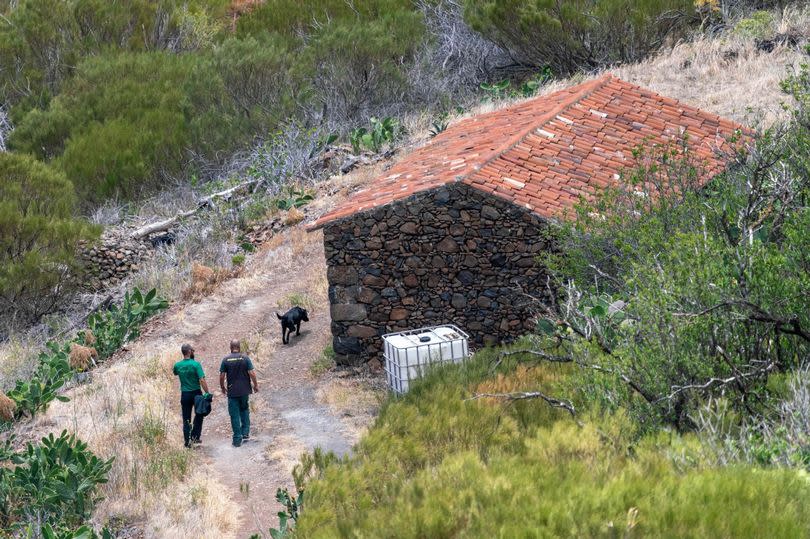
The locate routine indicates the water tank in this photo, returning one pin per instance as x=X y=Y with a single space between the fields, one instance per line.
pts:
x=408 y=353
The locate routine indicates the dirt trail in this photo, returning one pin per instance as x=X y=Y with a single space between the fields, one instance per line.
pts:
x=286 y=418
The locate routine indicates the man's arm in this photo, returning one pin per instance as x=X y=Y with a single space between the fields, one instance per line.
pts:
x=222 y=383
x=204 y=384
x=252 y=374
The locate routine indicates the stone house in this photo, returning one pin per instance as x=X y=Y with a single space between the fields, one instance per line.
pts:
x=451 y=233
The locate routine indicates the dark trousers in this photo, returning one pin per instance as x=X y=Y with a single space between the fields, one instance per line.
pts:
x=190 y=431
x=239 y=410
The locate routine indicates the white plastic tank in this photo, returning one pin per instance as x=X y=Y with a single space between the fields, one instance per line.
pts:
x=408 y=353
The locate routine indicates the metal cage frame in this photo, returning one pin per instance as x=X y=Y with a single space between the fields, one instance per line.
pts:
x=394 y=367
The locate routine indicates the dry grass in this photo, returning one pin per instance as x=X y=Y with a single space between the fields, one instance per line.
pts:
x=81 y=357
x=17 y=359
x=126 y=413
x=7 y=407
x=357 y=400
x=729 y=77
x=293 y=216
x=204 y=280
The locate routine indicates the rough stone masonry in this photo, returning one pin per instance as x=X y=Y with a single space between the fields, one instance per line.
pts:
x=450 y=255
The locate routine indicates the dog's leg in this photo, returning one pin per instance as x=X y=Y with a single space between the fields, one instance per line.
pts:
x=298 y=329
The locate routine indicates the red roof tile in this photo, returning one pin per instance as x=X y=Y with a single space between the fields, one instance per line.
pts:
x=544 y=153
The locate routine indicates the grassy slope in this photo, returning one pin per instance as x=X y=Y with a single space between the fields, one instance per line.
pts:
x=437 y=465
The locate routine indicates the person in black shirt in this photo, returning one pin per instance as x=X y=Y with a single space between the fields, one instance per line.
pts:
x=238 y=370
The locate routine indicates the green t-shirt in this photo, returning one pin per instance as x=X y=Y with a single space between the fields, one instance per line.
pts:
x=190 y=371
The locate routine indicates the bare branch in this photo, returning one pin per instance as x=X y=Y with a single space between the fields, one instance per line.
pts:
x=526 y=395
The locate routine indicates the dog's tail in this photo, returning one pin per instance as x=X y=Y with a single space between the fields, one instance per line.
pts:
x=279 y=316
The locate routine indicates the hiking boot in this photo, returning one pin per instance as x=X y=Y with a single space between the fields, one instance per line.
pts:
x=196 y=441
x=246 y=437
x=237 y=444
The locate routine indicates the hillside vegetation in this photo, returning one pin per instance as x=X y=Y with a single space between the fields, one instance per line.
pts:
x=664 y=393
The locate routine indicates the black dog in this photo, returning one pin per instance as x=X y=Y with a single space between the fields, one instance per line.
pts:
x=292 y=321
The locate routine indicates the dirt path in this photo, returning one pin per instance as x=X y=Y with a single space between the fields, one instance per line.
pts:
x=286 y=418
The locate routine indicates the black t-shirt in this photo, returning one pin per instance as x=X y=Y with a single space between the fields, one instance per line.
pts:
x=236 y=367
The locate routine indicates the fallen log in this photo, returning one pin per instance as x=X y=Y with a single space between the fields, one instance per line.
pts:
x=205 y=202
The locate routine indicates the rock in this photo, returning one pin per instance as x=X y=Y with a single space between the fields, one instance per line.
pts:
x=447 y=245
x=361 y=331
x=389 y=292
x=465 y=277
x=488 y=212
x=348 y=312
x=409 y=228
x=367 y=295
x=348 y=164
x=411 y=281
x=458 y=301
x=373 y=280
x=399 y=314
x=344 y=275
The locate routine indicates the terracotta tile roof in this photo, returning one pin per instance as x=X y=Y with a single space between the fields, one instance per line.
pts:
x=544 y=153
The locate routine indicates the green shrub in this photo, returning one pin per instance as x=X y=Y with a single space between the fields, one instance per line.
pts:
x=117 y=325
x=125 y=122
x=758 y=25
x=238 y=260
x=38 y=237
x=357 y=68
x=385 y=131
x=50 y=483
x=44 y=40
x=581 y=34
x=436 y=465
x=110 y=330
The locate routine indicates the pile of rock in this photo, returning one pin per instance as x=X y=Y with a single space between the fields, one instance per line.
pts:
x=113 y=257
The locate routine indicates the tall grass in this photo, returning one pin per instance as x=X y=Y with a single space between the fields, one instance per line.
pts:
x=438 y=465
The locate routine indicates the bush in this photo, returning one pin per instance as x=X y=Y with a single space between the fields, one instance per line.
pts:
x=44 y=40
x=38 y=238
x=52 y=483
x=108 y=332
x=357 y=68
x=127 y=122
x=435 y=465
x=578 y=35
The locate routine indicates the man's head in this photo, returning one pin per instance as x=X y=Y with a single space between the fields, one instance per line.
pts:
x=187 y=350
x=236 y=346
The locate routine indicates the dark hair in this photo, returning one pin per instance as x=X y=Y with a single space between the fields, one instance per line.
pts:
x=186 y=350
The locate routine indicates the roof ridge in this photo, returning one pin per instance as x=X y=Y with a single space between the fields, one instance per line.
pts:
x=587 y=89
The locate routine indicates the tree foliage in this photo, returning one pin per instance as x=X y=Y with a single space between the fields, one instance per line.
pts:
x=580 y=34
x=127 y=122
x=671 y=291
x=38 y=236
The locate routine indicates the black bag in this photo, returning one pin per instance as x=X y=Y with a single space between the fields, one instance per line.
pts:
x=202 y=404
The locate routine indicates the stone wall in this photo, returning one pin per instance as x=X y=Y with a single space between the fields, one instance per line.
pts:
x=451 y=255
x=113 y=257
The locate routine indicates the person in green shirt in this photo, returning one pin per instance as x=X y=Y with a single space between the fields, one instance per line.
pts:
x=192 y=378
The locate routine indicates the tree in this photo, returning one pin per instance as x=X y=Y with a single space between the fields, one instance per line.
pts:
x=38 y=237
x=671 y=290
x=578 y=34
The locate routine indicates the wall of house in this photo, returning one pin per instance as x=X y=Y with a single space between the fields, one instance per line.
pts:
x=451 y=255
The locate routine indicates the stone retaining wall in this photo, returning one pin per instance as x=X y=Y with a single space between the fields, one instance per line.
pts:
x=451 y=255
x=112 y=258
